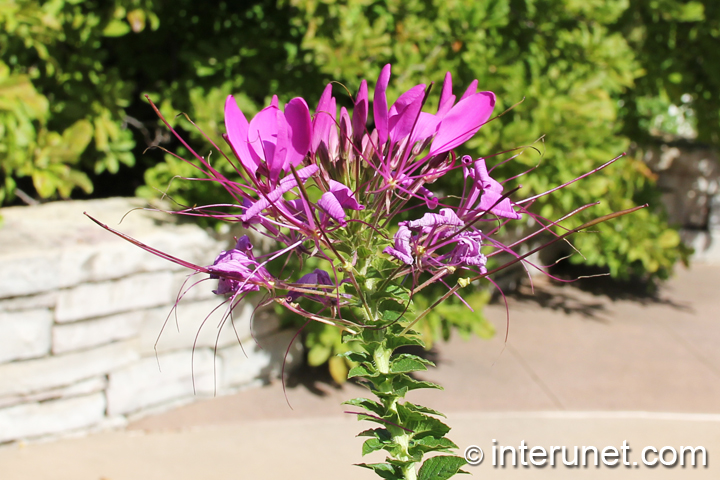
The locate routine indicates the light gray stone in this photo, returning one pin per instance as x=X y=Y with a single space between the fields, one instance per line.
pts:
x=92 y=333
x=30 y=302
x=55 y=246
x=37 y=419
x=83 y=387
x=198 y=324
x=154 y=381
x=99 y=299
x=242 y=366
x=25 y=274
x=24 y=334
x=22 y=378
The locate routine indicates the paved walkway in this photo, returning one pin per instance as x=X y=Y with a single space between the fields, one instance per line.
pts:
x=578 y=369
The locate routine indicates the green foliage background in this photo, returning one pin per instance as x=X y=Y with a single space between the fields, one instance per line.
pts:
x=595 y=76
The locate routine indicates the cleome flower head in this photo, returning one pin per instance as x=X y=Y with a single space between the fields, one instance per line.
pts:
x=357 y=201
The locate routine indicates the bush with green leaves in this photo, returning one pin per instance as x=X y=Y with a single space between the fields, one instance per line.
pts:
x=61 y=100
x=567 y=65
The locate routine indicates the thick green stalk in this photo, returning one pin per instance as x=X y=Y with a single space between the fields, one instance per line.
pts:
x=406 y=431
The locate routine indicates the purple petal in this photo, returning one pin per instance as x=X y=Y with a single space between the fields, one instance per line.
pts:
x=297 y=115
x=316 y=277
x=332 y=138
x=492 y=192
x=262 y=134
x=330 y=204
x=380 y=108
x=503 y=209
x=404 y=113
x=481 y=175
x=463 y=121
x=324 y=119
x=402 y=250
x=426 y=126
x=435 y=220
x=345 y=130
x=236 y=126
x=276 y=163
x=345 y=196
x=471 y=89
x=285 y=185
x=244 y=245
x=360 y=113
x=447 y=99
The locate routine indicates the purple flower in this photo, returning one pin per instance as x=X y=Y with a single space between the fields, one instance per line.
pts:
x=402 y=250
x=316 y=277
x=273 y=140
x=237 y=270
x=488 y=190
x=336 y=200
x=467 y=251
x=433 y=221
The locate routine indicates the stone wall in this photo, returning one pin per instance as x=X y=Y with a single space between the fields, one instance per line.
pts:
x=87 y=338
x=689 y=177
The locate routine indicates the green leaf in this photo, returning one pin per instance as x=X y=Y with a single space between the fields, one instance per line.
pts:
x=372 y=432
x=367 y=404
x=362 y=371
x=405 y=363
x=423 y=425
x=422 y=409
x=357 y=357
x=372 y=445
x=402 y=384
x=384 y=470
x=440 y=468
x=421 y=446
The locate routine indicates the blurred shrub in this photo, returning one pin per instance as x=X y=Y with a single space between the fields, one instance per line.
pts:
x=676 y=43
x=61 y=104
x=567 y=63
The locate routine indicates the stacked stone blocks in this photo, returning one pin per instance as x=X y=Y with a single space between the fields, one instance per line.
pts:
x=88 y=334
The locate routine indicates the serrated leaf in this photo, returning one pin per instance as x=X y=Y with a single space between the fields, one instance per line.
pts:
x=422 y=425
x=440 y=468
x=422 y=409
x=362 y=371
x=370 y=432
x=420 y=447
x=407 y=340
x=405 y=363
x=357 y=357
x=375 y=444
x=384 y=470
x=403 y=382
x=367 y=404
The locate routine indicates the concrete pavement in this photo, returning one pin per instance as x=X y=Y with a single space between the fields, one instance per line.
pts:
x=577 y=369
